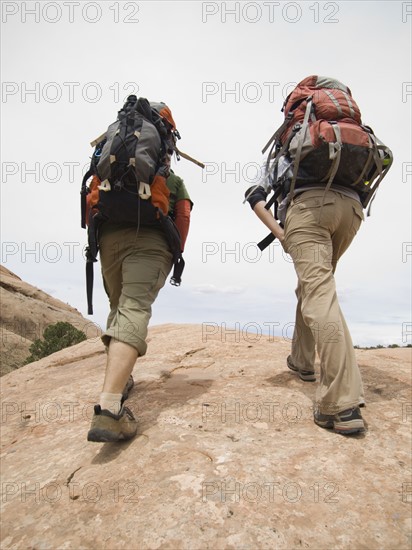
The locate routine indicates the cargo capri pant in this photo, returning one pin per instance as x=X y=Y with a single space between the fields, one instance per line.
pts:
x=135 y=264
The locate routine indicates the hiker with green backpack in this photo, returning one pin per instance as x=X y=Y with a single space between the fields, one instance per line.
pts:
x=138 y=215
x=323 y=167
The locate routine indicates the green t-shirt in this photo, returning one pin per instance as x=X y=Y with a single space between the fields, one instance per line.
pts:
x=177 y=189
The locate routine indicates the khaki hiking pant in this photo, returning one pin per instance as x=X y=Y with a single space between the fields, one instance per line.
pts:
x=318 y=230
x=135 y=264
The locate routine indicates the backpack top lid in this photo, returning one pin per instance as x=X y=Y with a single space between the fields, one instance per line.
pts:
x=323 y=90
x=316 y=82
x=309 y=85
x=143 y=106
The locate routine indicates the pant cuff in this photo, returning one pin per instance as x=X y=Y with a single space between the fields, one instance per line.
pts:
x=139 y=345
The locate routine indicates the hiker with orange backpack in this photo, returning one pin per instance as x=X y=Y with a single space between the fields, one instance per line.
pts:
x=323 y=168
x=138 y=216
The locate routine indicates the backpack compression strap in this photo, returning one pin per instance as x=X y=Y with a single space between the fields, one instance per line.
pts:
x=299 y=149
x=264 y=243
x=173 y=238
x=91 y=257
x=176 y=278
x=89 y=283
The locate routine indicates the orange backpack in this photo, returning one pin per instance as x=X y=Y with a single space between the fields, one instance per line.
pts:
x=322 y=141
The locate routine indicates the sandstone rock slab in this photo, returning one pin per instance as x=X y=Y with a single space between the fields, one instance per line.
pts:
x=227 y=455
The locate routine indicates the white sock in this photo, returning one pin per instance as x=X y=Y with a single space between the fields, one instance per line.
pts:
x=110 y=402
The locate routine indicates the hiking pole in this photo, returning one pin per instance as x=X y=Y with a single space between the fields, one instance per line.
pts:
x=187 y=157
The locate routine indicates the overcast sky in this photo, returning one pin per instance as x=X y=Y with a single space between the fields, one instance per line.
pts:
x=224 y=70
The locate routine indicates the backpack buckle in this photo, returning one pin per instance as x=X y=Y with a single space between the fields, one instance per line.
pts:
x=105 y=186
x=144 y=190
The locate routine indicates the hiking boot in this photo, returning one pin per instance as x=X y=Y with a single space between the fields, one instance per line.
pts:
x=345 y=422
x=128 y=387
x=107 y=426
x=305 y=375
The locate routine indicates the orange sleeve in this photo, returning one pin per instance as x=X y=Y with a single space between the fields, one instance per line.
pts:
x=182 y=219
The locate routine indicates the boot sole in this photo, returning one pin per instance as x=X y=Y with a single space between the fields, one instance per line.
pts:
x=97 y=435
x=310 y=377
x=350 y=427
x=343 y=428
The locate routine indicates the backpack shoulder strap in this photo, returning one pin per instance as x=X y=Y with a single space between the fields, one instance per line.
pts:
x=299 y=149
